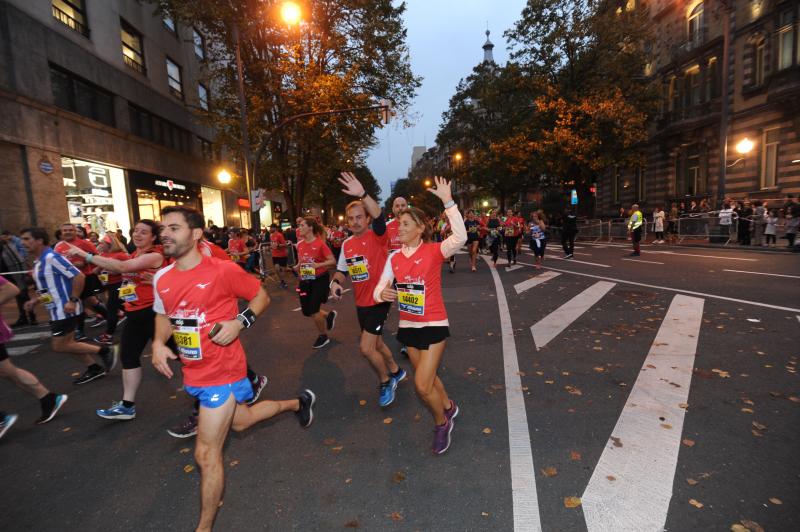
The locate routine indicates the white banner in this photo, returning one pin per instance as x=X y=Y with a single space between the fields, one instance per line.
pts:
x=258 y=196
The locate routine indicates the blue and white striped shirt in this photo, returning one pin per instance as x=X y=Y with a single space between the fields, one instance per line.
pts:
x=53 y=275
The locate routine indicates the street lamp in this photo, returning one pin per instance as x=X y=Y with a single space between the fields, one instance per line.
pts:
x=458 y=156
x=224 y=177
x=291 y=13
x=427 y=182
x=744 y=146
x=485 y=203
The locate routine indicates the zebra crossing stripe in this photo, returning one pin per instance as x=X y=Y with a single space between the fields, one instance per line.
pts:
x=631 y=486
x=554 y=323
x=535 y=281
x=525 y=500
x=21 y=350
x=32 y=336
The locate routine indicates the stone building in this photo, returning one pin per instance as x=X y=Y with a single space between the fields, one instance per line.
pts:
x=98 y=125
x=683 y=151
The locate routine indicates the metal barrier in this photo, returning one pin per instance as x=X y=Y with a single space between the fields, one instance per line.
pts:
x=590 y=230
x=709 y=227
x=618 y=228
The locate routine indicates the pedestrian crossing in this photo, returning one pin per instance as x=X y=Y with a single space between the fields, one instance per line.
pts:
x=27 y=341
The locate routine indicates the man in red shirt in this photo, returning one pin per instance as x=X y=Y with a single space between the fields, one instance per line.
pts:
x=196 y=304
x=237 y=248
x=512 y=230
x=93 y=286
x=280 y=252
x=363 y=258
x=398 y=205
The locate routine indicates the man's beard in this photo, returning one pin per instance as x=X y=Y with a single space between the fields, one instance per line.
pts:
x=179 y=249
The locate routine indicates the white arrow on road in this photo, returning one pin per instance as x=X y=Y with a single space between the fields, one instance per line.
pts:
x=631 y=486
x=554 y=323
x=534 y=281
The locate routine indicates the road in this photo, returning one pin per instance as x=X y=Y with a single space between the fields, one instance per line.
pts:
x=596 y=394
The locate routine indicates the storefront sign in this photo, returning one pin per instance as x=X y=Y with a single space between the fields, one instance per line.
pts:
x=574 y=197
x=45 y=166
x=243 y=203
x=170 y=184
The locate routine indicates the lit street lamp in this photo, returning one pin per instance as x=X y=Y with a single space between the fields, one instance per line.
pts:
x=224 y=177
x=291 y=13
x=427 y=182
x=744 y=146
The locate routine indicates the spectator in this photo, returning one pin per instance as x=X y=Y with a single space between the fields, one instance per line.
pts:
x=771 y=227
x=121 y=238
x=8 y=236
x=745 y=220
x=704 y=207
x=759 y=220
x=792 y=221
x=672 y=222
x=12 y=261
x=726 y=218
x=658 y=225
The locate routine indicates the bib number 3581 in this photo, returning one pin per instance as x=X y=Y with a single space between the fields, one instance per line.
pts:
x=186 y=332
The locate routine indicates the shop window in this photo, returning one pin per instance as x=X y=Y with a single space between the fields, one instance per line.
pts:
x=199 y=44
x=786 y=40
x=202 y=95
x=769 y=158
x=132 y=47
x=690 y=174
x=71 y=13
x=174 y=79
x=80 y=96
x=95 y=195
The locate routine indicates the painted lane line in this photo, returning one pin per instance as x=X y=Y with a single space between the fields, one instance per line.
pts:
x=581 y=262
x=32 y=336
x=645 y=261
x=642 y=453
x=583 y=254
x=535 y=281
x=298 y=309
x=554 y=323
x=523 y=475
x=670 y=289
x=762 y=273
x=702 y=256
x=21 y=350
x=513 y=268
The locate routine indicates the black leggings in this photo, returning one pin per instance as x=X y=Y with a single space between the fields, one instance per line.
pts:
x=568 y=243
x=113 y=304
x=511 y=248
x=495 y=249
x=140 y=327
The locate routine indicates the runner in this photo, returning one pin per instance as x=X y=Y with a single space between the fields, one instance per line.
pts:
x=635 y=229
x=314 y=257
x=521 y=223
x=337 y=238
x=493 y=238
x=92 y=287
x=444 y=232
x=569 y=229
x=196 y=304
x=51 y=403
x=136 y=291
x=58 y=287
x=398 y=206
x=237 y=247
x=473 y=226
x=538 y=238
x=423 y=318
x=280 y=252
x=363 y=258
x=512 y=229
x=110 y=247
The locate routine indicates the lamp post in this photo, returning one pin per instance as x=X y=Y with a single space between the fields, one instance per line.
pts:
x=723 y=118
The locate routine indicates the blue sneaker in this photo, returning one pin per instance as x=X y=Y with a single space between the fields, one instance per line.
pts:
x=398 y=377
x=118 y=411
x=386 y=395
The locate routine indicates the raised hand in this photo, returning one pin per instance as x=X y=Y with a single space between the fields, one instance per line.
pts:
x=352 y=186
x=74 y=251
x=442 y=190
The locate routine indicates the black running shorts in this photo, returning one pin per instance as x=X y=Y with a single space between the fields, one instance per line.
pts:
x=313 y=294
x=423 y=337
x=371 y=319
x=63 y=327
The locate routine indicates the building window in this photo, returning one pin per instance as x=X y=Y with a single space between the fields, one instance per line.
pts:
x=693 y=87
x=615 y=185
x=199 y=44
x=759 y=57
x=769 y=158
x=80 y=96
x=206 y=149
x=169 y=24
x=150 y=127
x=132 y=47
x=786 y=41
x=71 y=13
x=689 y=173
x=674 y=94
x=174 y=79
x=202 y=94
x=712 y=78
x=695 y=27
x=640 y=184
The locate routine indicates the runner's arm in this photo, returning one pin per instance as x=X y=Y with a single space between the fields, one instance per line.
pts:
x=144 y=262
x=385 y=283
x=459 y=236
x=8 y=291
x=162 y=353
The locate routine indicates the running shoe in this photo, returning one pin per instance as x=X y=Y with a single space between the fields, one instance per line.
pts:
x=122 y=319
x=187 y=429
x=441 y=437
x=568 y=256
x=111 y=358
x=6 y=422
x=59 y=402
x=97 y=321
x=80 y=336
x=386 y=394
x=404 y=351
x=330 y=320
x=117 y=411
x=322 y=341
x=104 y=339
x=451 y=412
x=258 y=386
x=400 y=376
x=634 y=254
x=89 y=375
x=305 y=415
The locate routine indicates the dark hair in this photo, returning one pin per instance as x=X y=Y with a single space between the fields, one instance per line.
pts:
x=315 y=226
x=5 y=232
x=193 y=217
x=37 y=233
x=155 y=229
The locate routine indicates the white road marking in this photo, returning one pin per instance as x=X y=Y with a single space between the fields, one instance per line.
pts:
x=514 y=267
x=702 y=256
x=762 y=273
x=554 y=323
x=32 y=336
x=534 y=281
x=298 y=309
x=642 y=454
x=21 y=350
x=670 y=289
x=581 y=262
x=645 y=261
x=523 y=475
x=583 y=254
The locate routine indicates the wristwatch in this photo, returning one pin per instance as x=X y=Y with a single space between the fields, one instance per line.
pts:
x=364 y=195
x=74 y=300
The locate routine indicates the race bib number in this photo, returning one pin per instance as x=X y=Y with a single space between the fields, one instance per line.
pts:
x=411 y=298
x=186 y=332
x=103 y=276
x=509 y=231
x=46 y=299
x=473 y=229
x=127 y=293
x=308 y=272
x=357 y=268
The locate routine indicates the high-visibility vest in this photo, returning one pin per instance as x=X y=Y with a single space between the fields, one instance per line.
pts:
x=635 y=221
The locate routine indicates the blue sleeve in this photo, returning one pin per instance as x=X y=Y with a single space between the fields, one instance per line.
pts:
x=64 y=266
x=379 y=225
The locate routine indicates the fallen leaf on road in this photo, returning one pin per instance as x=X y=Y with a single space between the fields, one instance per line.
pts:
x=524 y=388
x=173 y=396
x=490 y=334
x=683 y=405
x=76 y=374
x=691 y=481
x=540 y=373
x=234 y=463
x=521 y=373
x=396 y=516
x=485 y=514
x=759 y=426
x=748 y=402
x=328 y=441
x=777 y=394
x=651 y=366
x=398 y=477
x=549 y=382
x=688 y=443
x=66 y=429
x=573 y=390
x=348 y=480
x=337 y=449
x=775 y=500
x=550 y=471
x=752 y=526
x=597 y=348
x=695 y=503
x=666 y=426
x=387 y=421
x=794 y=399
x=736 y=527
x=617 y=442
x=756 y=433
x=185 y=450
x=188 y=468
x=574 y=455
x=753 y=320
x=599 y=369
x=362 y=402
x=747 y=410
x=611 y=478
x=417 y=416
x=352 y=524
x=565 y=373
x=472 y=369
x=721 y=373
x=572 y=502
x=487 y=430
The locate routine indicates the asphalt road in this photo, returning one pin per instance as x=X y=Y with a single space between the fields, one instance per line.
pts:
x=623 y=389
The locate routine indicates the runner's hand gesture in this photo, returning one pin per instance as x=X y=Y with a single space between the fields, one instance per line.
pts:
x=162 y=353
x=74 y=251
x=229 y=331
x=442 y=190
x=336 y=290
x=389 y=294
x=352 y=186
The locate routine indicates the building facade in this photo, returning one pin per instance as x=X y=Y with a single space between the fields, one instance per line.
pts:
x=98 y=102
x=684 y=148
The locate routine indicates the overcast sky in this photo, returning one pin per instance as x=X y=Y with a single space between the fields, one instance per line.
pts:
x=445 y=38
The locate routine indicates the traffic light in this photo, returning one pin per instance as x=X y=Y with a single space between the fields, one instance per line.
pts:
x=386 y=111
x=593 y=189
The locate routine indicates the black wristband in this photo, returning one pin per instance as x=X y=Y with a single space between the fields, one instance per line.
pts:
x=364 y=195
x=247 y=317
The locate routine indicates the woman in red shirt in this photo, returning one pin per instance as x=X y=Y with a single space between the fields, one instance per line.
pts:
x=110 y=247
x=314 y=257
x=424 y=328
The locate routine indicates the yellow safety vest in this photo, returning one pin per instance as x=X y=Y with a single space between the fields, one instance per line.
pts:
x=635 y=221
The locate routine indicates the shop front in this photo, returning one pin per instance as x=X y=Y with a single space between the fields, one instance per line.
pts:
x=213 y=206
x=96 y=196
x=151 y=193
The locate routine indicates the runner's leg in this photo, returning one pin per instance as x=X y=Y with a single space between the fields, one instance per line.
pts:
x=388 y=358
x=80 y=350
x=245 y=417
x=23 y=379
x=319 y=321
x=375 y=358
x=213 y=426
x=433 y=394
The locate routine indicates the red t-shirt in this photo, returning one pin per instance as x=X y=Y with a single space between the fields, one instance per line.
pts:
x=194 y=300
x=337 y=238
x=309 y=252
x=513 y=226
x=363 y=258
x=393 y=238
x=237 y=246
x=279 y=249
x=210 y=249
x=62 y=247
x=419 y=283
x=107 y=277
x=142 y=281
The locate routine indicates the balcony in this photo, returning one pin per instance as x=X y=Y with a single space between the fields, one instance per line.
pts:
x=70 y=22
x=689 y=47
x=693 y=116
x=135 y=65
